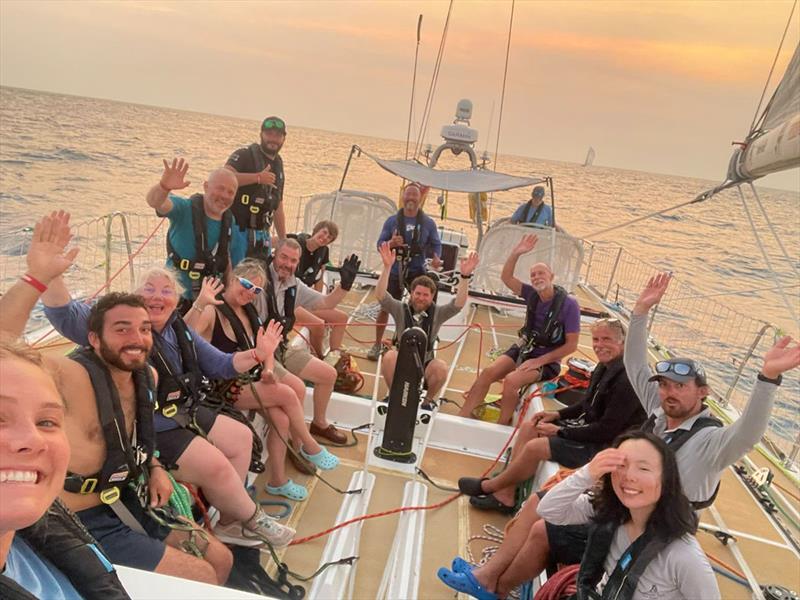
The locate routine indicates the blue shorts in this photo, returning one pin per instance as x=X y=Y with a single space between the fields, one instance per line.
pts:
x=123 y=545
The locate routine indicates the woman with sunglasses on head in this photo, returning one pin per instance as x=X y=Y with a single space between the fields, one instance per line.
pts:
x=229 y=321
x=641 y=542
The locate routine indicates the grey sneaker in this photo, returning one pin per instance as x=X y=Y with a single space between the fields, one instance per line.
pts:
x=260 y=528
x=375 y=352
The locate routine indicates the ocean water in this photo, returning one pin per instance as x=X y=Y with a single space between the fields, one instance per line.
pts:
x=92 y=157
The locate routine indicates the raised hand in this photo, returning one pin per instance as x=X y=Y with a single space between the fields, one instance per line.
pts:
x=606 y=461
x=174 y=175
x=468 y=263
x=781 y=358
x=268 y=338
x=652 y=293
x=526 y=244
x=387 y=254
x=208 y=292
x=348 y=271
x=47 y=255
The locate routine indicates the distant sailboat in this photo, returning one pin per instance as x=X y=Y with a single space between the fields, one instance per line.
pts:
x=589 y=157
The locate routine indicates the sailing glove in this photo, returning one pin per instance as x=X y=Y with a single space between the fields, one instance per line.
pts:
x=348 y=271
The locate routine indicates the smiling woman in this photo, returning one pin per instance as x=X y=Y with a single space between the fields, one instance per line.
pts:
x=34 y=453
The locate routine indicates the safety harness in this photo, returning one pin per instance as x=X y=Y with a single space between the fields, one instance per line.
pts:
x=551 y=331
x=621 y=584
x=533 y=218
x=207 y=261
x=310 y=266
x=287 y=318
x=414 y=247
x=676 y=439
x=255 y=204
x=126 y=458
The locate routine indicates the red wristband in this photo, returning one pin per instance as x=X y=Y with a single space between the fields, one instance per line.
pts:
x=255 y=356
x=33 y=282
x=166 y=189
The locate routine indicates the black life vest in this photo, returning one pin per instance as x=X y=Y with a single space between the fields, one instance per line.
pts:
x=621 y=584
x=255 y=204
x=311 y=263
x=63 y=540
x=550 y=333
x=676 y=439
x=425 y=323
x=243 y=339
x=532 y=218
x=180 y=387
x=601 y=380
x=414 y=246
x=207 y=262
x=287 y=318
x=124 y=460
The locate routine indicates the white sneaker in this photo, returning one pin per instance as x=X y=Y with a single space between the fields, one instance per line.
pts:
x=260 y=528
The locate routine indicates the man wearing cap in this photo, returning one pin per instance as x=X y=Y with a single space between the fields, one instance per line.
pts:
x=259 y=199
x=534 y=211
x=673 y=397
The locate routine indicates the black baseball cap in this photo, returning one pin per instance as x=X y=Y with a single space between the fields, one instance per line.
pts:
x=273 y=123
x=680 y=370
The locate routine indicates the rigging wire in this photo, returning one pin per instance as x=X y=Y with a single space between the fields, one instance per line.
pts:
x=434 y=79
x=771 y=70
x=772 y=229
x=637 y=219
x=765 y=255
x=413 y=85
x=502 y=102
x=739 y=293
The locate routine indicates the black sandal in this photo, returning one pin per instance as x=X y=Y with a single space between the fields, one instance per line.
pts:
x=489 y=502
x=471 y=486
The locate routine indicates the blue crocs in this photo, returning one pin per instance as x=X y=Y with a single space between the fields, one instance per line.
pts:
x=465 y=583
x=459 y=565
x=290 y=490
x=322 y=459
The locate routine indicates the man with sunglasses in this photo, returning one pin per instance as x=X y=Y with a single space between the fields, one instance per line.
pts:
x=259 y=200
x=673 y=398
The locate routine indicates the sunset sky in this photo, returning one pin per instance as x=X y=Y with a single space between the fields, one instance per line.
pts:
x=653 y=86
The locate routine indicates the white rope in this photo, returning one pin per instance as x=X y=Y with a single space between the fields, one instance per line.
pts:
x=766 y=256
x=789 y=261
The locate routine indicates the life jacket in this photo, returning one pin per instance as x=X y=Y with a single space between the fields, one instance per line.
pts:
x=255 y=204
x=180 y=388
x=602 y=378
x=425 y=323
x=621 y=584
x=308 y=271
x=414 y=247
x=676 y=439
x=532 y=218
x=125 y=458
x=550 y=333
x=287 y=318
x=207 y=262
x=63 y=540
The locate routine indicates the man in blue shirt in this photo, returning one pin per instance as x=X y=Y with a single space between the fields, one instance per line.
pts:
x=201 y=241
x=413 y=236
x=534 y=211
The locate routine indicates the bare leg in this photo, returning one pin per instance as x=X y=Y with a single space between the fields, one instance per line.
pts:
x=521 y=467
x=529 y=561
x=388 y=363
x=205 y=466
x=515 y=536
x=235 y=441
x=316 y=328
x=275 y=447
x=337 y=320
x=380 y=325
x=323 y=376
x=179 y=564
x=435 y=375
x=511 y=387
x=494 y=372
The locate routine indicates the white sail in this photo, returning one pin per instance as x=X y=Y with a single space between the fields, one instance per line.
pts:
x=589 y=157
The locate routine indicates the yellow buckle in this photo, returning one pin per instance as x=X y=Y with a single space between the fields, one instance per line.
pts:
x=184 y=264
x=255 y=209
x=88 y=485
x=170 y=411
x=194 y=275
x=110 y=495
x=245 y=199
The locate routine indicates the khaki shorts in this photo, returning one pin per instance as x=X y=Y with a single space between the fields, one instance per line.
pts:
x=296 y=360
